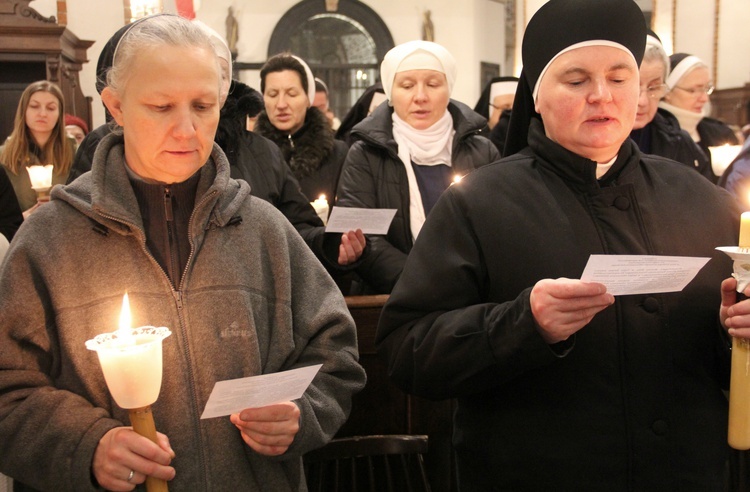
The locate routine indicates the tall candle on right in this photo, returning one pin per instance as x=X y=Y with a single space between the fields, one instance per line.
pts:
x=739 y=386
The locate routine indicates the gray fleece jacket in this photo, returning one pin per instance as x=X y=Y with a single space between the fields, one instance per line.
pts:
x=252 y=300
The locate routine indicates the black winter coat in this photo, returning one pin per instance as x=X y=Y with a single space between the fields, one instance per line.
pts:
x=374 y=177
x=636 y=402
x=10 y=213
x=664 y=137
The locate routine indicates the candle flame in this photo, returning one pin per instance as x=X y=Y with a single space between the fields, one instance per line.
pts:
x=125 y=319
x=322 y=197
x=457 y=179
x=125 y=333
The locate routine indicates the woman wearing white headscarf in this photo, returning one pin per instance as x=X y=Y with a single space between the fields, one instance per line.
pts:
x=690 y=86
x=409 y=151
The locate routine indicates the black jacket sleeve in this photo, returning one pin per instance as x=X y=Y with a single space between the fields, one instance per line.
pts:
x=10 y=211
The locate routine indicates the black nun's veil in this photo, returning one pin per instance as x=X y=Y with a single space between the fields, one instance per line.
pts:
x=557 y=25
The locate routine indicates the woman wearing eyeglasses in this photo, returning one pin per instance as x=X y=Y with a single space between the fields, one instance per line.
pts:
x=690 y=85
x=656 y=130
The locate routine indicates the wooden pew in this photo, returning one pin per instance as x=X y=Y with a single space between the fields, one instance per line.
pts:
x=382 y=408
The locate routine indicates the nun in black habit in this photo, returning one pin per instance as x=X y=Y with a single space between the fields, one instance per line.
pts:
x=560 y=385
x=495 y=104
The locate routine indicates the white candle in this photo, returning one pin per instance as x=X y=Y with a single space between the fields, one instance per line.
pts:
x=40 y=176
x=321 y=208
x=131 y=361
x=722 y=156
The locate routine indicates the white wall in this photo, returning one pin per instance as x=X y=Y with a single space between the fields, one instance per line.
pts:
x=473 y=32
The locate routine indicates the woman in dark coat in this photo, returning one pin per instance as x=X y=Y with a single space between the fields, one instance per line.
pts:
x=559 y=385
x=365 y=105
x=690 y=86
x=301 y=130
x=408 y=152
x=657 y=131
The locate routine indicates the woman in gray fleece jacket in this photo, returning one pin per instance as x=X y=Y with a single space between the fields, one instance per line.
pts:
x=160 y=218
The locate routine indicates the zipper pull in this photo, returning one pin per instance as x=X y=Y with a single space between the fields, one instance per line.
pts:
x=168 y=204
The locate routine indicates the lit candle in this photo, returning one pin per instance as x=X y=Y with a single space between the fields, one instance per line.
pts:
x=131 y=360
x=745 y=230
x=738 y=435
x=722 y=156
x=40 y=176
x=456 y=179
x=321 y=208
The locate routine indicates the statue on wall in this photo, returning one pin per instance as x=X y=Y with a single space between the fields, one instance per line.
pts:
x=428 y=30
x=232 y=32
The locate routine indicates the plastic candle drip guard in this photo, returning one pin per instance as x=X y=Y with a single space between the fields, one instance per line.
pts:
x=132 y=364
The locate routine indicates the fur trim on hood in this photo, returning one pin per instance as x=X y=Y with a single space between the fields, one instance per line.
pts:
x=305 y=150
x=242 y=101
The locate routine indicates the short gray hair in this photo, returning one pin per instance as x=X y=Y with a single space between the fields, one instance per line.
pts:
x=655 y=52
x=154 y=32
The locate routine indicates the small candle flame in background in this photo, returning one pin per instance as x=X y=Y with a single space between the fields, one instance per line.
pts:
x=40 y=176
x=321 y=208
x=722 y=156
x=457 y=179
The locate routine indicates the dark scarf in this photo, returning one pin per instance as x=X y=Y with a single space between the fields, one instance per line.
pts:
x=306 y=149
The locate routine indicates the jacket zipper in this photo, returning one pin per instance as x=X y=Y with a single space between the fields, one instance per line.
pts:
x=177 y=296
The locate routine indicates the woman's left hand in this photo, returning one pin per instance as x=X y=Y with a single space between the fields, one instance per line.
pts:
x=269 y=430
x=735 y=316
x=351 y=247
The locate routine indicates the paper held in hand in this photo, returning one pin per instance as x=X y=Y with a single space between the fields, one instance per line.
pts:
x=370 y=220
x=642 y=274
x=234 y=395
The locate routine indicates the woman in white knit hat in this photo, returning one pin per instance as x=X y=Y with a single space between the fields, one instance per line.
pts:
x=409 y=151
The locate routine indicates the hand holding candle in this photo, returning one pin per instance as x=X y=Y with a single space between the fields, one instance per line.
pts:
x=131 y=360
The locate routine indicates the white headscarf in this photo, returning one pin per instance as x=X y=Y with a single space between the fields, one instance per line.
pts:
x=310 y=79
x=398 y=54
x=431 y=146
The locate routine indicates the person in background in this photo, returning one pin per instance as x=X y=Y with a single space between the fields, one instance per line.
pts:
x=10 y=213
x=370 y=99
x=689 y=83
x=322 y=102
x=408 y=152
x=656 y=130
x=75 y=128
x=495 y=104
x=736 y=177
x=159 y=217
x=252 y=157
x=299 y=129
x=38 y=138
x=496 y=98
x=559 y=384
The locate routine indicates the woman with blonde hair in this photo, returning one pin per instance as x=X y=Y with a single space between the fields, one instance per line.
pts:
x=38 y=137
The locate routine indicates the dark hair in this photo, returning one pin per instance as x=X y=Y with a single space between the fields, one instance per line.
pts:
x=279 y=63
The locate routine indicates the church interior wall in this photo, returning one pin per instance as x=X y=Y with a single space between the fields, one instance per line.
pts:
x=473 y=33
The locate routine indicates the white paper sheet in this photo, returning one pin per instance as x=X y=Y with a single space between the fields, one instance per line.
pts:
x=370 y=220
x=234 y=395
x=642 y=274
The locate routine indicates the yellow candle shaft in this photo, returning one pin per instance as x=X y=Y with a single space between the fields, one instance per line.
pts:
x=143 y=423
x=739 y=395
x=745 y=230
